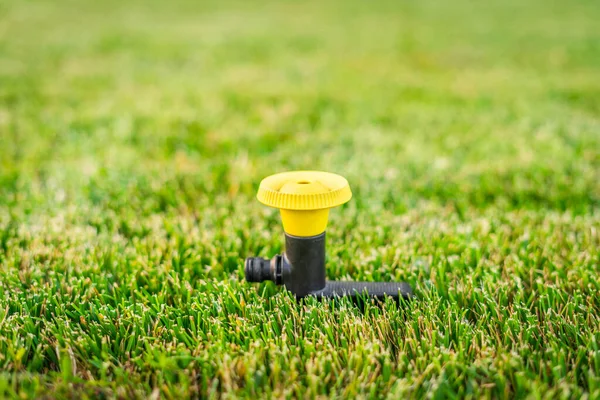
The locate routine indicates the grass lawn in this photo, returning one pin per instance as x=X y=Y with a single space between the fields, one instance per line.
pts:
x=133 y=137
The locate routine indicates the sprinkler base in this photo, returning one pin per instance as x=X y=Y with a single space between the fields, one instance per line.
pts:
x=302 y=270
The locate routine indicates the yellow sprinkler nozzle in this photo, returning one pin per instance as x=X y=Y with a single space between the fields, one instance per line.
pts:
x=304 y=199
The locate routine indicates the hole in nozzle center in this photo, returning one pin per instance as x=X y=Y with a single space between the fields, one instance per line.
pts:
x=303 y=182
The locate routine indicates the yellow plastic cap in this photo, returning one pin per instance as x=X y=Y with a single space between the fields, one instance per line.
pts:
x=304 y=199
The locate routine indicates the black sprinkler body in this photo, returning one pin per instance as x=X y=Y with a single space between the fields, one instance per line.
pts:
x=304 y=199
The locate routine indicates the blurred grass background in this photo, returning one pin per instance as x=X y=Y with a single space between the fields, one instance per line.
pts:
x=133 y=136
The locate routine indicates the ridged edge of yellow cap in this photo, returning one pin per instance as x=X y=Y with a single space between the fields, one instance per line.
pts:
x=338 y=191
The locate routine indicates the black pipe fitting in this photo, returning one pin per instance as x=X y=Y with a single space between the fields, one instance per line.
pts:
x=301 y=269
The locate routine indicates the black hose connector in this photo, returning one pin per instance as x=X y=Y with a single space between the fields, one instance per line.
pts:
x=302 y=270
x=259 y=269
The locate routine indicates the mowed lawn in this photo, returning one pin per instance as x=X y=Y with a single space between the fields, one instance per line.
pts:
x=133 y=137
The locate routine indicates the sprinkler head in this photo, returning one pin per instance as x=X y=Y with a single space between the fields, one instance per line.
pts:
x=304 y=199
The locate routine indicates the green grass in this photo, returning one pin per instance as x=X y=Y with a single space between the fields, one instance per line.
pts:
x=133 y=136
